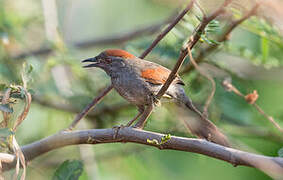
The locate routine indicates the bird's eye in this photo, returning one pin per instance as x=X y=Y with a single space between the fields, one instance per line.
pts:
x=107 y=60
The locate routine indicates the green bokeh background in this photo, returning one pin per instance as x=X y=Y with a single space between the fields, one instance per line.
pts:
x=257 y=64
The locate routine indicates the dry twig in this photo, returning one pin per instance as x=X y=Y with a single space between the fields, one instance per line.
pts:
x=90 y=106
x=25 y=111
x=222 y=38
x=210 y=97
x=168 y=29
x=251 y=100
x=190 y=44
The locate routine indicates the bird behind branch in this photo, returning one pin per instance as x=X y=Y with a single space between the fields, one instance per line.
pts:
x=139 y=81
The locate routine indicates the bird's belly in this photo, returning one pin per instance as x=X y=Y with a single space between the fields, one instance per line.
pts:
x=135 y=92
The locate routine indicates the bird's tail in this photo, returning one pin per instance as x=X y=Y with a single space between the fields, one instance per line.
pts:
x=205 y=128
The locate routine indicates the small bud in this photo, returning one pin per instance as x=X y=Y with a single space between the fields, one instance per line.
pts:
x=252 y=97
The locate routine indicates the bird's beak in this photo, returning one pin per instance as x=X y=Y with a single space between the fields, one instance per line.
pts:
x=94 y=61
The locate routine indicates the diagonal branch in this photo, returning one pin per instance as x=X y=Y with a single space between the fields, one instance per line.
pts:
x=273 y=166
x=167 y=30
x=222 y=38
x=251 y=98
x=90 y=106
x=190 y=44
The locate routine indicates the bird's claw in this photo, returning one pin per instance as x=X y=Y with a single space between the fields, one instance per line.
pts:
x=156 y=101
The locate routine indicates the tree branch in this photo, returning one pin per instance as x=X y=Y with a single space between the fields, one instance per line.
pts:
x=273 y=166
x=190 y=44
x=168 y=29
x=251 y=99
x=222 y=38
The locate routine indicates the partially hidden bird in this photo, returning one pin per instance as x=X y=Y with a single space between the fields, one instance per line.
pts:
x=139 y=81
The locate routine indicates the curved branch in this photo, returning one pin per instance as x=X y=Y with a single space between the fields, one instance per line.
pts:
x=273 y=166
x=168 y=29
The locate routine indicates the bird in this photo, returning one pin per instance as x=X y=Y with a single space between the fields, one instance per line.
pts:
x=138 y=81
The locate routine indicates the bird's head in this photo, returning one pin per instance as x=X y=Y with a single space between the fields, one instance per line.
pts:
x=111 y=58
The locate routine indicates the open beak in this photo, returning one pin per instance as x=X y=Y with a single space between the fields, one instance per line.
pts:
x=93 y=62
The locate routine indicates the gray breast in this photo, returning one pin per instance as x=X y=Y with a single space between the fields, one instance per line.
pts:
x=131 y=87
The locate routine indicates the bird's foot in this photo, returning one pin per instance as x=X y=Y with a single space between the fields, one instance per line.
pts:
x=156 y=101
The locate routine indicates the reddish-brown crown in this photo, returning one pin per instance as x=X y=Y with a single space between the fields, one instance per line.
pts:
x=118 y=53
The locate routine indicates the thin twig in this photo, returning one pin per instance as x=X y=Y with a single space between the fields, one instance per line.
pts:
x=167 y=30
x=190 y=44
x=270 y=118
x=210 y=97
x=25 y=111
x=222 y=38
x=229 y=87
x=90 y=107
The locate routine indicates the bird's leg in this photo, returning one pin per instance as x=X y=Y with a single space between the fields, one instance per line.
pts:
x=141 y=110
x=140 y=124
x=117 y=128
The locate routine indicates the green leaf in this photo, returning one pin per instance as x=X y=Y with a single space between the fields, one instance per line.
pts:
x=264 y=48
x=280 y=152
x=6 y=108
x=213 y=27
x=69 y=170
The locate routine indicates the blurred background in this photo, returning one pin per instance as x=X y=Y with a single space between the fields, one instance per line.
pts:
x=54 y=36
